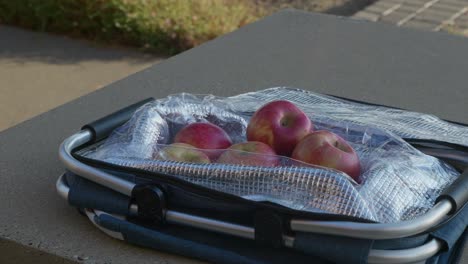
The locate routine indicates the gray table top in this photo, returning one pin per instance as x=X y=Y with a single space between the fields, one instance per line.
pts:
x=361 y=60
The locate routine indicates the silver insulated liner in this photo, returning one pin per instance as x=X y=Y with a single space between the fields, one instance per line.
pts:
x=398 y=182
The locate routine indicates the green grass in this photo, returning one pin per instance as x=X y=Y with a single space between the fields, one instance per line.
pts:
x=168 y=26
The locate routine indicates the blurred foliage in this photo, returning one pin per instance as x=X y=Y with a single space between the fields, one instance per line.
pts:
x=168 y=26
x=456 y=29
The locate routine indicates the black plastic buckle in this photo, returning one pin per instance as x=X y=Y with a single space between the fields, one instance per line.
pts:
x=151 y=202
x=269 y=229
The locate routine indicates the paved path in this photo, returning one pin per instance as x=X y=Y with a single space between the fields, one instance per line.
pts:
x=39 y=71
x=434 y=15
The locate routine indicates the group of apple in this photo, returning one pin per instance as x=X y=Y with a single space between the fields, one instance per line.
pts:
x=278 y=128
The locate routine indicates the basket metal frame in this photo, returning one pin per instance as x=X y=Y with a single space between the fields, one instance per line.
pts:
x=378 y=231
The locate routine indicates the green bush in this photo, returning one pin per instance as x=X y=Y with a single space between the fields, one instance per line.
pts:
x=161 y=25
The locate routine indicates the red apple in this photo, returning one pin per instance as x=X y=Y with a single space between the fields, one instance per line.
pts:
x=327 y=149
x=252 y=153
x=183 y=152
x=204 y=136
x=280 y=124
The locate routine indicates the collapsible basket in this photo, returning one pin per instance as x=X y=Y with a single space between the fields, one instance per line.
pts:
x=305 y=214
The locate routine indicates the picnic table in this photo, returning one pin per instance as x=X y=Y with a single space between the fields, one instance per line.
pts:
x=376 y=63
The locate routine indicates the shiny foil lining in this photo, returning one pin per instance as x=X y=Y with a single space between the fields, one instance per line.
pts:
x=398 y=181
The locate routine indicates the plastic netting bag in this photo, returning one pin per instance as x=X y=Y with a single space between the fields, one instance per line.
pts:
x=398 y=182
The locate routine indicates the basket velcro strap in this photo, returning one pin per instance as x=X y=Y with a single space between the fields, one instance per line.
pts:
x=146 y=237
x=268 y=229
x=451 y=232
x=87 y=194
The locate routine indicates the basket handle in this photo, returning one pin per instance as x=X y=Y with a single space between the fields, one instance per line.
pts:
x=457 y=192
x=146 y=237
x=102 y=127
